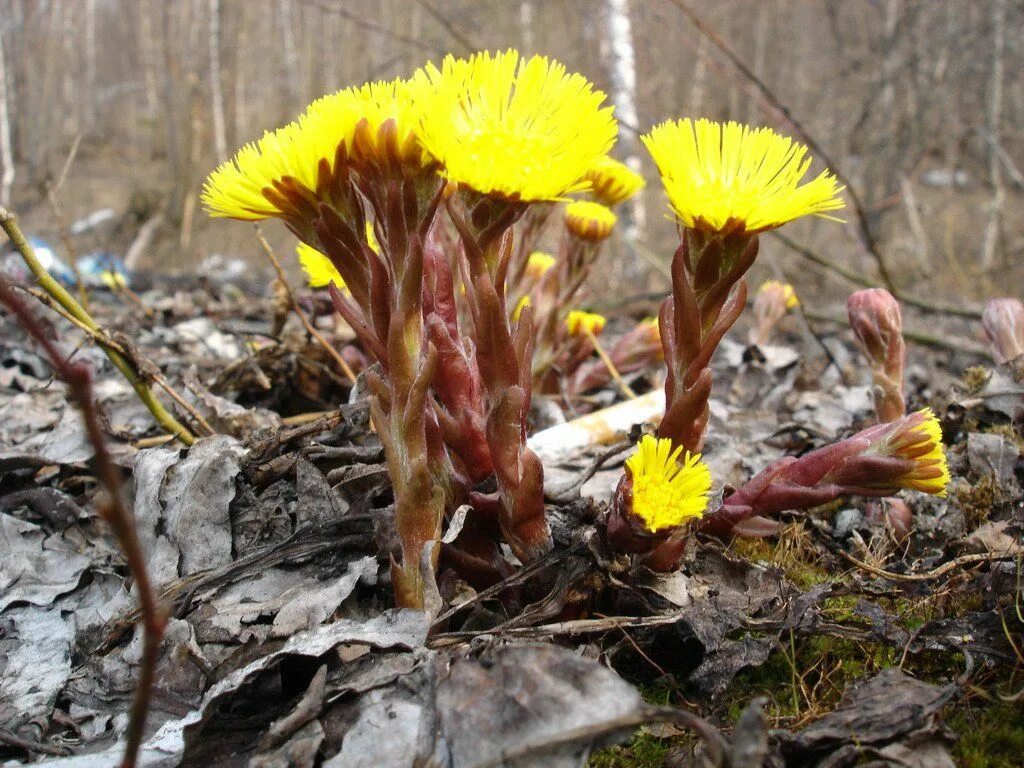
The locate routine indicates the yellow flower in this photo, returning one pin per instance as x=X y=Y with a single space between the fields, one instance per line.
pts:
x=612 y=181
x=667 y=491
x=522 y=304
x=291 y=169
x=391 y=112
x=580 y=323
x=724 y=177
x=788 y=294
x=589 y=221
x=538 y=264
x=921 y=442
x=320 y=270
x=513 y=129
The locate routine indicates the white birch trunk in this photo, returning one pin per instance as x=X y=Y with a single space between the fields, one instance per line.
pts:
x=995 y=117
x=220 y=138
x=6 y=150
x=147 y=48
x=91 y=96
x=526 y=25
x=622 y=71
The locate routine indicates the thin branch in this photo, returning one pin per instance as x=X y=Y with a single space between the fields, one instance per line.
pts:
x=163 y=417
x=113 y=510
x=310 y=329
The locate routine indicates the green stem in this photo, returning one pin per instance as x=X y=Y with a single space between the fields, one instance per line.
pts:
x=163 y=417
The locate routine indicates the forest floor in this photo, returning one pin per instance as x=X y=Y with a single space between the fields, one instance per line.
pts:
x=833 y=643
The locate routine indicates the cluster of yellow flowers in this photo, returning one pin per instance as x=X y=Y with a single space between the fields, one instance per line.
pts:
x=528 y=131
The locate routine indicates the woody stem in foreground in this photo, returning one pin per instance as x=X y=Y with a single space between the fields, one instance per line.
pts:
x=114 y=512
x=163 y=417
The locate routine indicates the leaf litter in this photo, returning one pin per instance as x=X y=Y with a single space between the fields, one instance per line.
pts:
x=282 y=650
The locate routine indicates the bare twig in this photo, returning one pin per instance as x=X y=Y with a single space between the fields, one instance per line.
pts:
x=623 y=386
x=942 y=570
x=920 y=337
x=113 y=510
x=310 y=329
x=163 y=417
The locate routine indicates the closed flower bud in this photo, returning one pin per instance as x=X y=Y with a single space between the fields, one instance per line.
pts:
x=771 y=303
x=878 y=326
x=589 y=221
x=1003 y=320
x=538 y=263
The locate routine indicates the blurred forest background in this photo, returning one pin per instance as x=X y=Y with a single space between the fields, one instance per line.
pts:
x=128 y=104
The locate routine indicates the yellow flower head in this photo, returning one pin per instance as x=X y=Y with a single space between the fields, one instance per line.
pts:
x=376 y=121
x=510 y=128
x=581 y=323
x=724 y=177
x=786 y=290
x=320 y=270
x=612 y=181
x=589 y=221
x=522 y=304
x=668 y=489
x=538 y=264
x=920 y=441
x=371 y=123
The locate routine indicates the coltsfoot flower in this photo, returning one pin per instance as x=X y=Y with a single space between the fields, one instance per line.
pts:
x=612 y=182
x=589 y=221
x=512 y=128
x=918 y=439
x=669 y=487
x=785 y=290
x=538 y=263
x=289 y=170
x=731 y=177
x=580 y=323
x=877 y=324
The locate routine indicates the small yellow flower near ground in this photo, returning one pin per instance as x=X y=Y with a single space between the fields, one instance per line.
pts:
x=538 y=263
x=512 y=128
x=788 y=293
x=668 y=488
x=579 y=323
x=731 y=176
x=612 y=181
x=922 y=443
x=589 y=221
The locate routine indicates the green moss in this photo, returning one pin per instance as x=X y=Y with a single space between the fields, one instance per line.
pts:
x=975 y=378
x=643 y=751
x=992 y=737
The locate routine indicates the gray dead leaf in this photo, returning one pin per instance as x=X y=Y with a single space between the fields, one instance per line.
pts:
x=1002 y=393
x=309 y=606
x=35 y=662
x=992 y=455
x=318 y=503
x=383 y=712
x=226 y=416
x=165 y=748
x=66 y=443
x=35 y=568
x=188 y=502
x=300 y=751
x=991 y=537
x=889 y=708
x=201 y=338
x=540 y=705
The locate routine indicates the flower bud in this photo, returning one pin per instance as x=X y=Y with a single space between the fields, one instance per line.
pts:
x=580 y=323
x=537 y=265
x=612 y=182
x=1003 y=320
x=589 y=221
x=771 y=303
x=878 y=326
